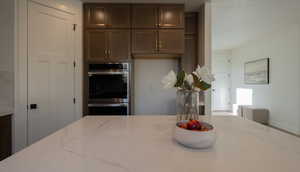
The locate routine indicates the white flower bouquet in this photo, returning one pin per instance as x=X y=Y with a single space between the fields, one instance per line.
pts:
x=188 y=88
x=199 y=80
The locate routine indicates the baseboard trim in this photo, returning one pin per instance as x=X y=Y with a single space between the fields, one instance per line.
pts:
x=229 y=111
x=283 y=130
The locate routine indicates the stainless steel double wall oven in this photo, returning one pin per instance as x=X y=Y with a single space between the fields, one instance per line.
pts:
x=109 y=89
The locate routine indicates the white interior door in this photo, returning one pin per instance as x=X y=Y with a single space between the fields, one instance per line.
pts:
x=50 y=71
x=221 y=87
x=221 y=92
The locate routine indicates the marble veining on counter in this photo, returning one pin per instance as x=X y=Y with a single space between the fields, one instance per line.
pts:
x=145 y=144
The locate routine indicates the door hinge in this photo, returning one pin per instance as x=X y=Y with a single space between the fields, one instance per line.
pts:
x=74 y=100
x=74 y=64
x=74 y=27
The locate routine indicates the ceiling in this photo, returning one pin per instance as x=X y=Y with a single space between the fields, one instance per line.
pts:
x=235 y=22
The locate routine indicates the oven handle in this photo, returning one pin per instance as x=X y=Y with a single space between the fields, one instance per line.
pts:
x=109 y=105
x=108 y=73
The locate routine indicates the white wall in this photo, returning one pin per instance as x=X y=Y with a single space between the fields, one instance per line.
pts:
x=149 y=96
x=6 y=56
x=282 y=95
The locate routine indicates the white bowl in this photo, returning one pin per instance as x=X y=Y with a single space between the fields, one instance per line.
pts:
x=195 y=139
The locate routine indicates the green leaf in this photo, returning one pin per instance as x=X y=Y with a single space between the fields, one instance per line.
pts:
x=200 y=84
x=205 y=86
x=180 y=79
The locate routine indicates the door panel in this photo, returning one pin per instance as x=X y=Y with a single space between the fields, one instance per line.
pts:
x=144 y=16
x=50 y=71
x=171 y=41
x=171 y=16
x=221 y=93
x=221 y=87
x=95 y=16
x=189 y=60
x=119 y=45
x=191 y=23
x=144 y=41
x=96 y=45
x=119 y=16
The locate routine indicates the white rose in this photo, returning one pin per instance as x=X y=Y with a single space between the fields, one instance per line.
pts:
x=169 y=80
x=204 y=74
x=189 y=79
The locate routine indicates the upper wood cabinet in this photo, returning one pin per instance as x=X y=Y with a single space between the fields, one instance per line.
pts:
x=157 y=16
x=144 y=16
x=171 y=16
x=144 y=41
x=119 y=16
x=107 y=16
x=96 y=45
x=114 y=31
x=165 y=41
x=107 y=45
x=95 y=16
x=171 y=41
x=119 y=45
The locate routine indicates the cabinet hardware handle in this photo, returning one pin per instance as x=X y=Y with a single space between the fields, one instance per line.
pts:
x=160 y=44
x=33 y=106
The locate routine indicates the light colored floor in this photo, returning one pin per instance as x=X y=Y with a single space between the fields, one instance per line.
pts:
x=222 y=113
x=230 y=113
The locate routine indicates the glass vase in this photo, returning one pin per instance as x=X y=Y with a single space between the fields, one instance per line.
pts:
x=187 y=105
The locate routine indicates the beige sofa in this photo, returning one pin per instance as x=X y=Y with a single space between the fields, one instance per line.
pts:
x=255 y=114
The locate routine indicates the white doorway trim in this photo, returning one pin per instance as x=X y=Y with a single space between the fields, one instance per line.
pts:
x=20 y=62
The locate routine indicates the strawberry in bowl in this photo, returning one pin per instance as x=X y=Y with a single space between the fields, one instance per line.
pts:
x=195 y=134
x=195 y=125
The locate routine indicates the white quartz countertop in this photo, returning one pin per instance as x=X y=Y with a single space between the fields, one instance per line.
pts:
x=144 y=144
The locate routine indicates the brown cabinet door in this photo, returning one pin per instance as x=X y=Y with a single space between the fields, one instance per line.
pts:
x=171 y=16
x=144 y=41
x=189 y=59
x=118 y=16
x=96 y=45
x=5 y=136
x=95 y=16
x=144 y=16
x=171 y=41
x=107 y=16
x=119 y=45
x=191 y=23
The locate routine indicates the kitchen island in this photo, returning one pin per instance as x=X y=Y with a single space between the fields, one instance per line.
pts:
x=145 y=144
